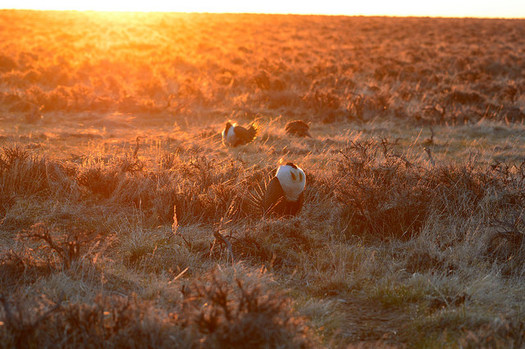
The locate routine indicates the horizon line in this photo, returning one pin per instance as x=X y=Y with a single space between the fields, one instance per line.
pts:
x=437 y=16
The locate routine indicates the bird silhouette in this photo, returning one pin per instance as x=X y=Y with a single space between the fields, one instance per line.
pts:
x=298 y=128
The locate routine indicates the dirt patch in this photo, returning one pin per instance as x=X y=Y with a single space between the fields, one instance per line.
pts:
x=371 y=325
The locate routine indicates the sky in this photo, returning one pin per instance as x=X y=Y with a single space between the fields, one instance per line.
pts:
x=443 y=8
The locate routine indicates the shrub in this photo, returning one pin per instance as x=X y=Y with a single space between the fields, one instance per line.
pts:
x=382 y=198
x=23 y=173
x=67 y=247
x=215 y=313
x=239 y=314
x=383 y=194
x=21 y=324
x=99 y=180
x=7 y=63
x=108 y=322
x=322 y=102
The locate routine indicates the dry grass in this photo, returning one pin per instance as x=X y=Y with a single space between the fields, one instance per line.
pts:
x=413 y=224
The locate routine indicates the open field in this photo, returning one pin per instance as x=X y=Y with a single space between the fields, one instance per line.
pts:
x=412 y=232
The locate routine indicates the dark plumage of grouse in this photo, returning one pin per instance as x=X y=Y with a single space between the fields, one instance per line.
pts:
x=284 y=194
x=298 y=128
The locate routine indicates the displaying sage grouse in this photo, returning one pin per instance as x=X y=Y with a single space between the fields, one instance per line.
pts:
x=298 y=128
x=234 y=135
x=284 y=194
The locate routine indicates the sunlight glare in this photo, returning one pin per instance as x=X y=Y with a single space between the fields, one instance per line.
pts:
x=445 y=8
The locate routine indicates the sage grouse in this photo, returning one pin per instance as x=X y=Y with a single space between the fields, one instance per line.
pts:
x=298 y=128
x=234 y=135
x=284 y=194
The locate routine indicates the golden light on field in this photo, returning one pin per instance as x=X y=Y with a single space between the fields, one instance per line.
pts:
x=129 y=202
x=446 y=8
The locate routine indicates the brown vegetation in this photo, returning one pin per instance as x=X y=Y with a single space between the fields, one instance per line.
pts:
x=124 y=221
